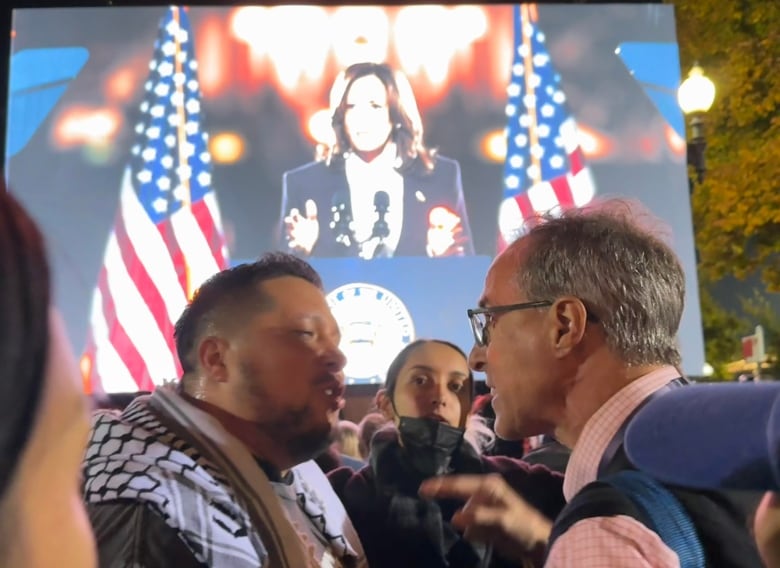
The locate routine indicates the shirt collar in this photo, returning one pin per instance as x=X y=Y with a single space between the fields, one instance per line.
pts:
x=603 y=426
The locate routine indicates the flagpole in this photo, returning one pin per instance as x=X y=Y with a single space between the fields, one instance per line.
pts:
x=533 y=135
x=181 y=134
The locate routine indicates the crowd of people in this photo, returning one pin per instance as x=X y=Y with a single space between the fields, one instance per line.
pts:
x=575 y=331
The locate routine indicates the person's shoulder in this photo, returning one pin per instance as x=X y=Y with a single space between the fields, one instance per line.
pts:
x=538 y=484
x=506 y=464
x=349 y=461
x=445 y=174
x=525 y=477
x=339 y=478
x=552 y=454
x=445 y=169
x=130 y=533
x=109 y=424
x=350 y=484
x=446 y=164
x=441 y=166
x=618 y=541
x=315 y=167
x=311 y=179
x=346 y=474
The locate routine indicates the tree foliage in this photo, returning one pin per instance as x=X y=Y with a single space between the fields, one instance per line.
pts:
x=723 y=331
x=759 y=310
x=737 y=207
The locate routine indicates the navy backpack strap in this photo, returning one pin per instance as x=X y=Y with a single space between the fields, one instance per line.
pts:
x=665 y=514
x=633 y=494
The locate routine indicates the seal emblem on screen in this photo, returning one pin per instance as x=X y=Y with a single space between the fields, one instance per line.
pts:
x=375 y=325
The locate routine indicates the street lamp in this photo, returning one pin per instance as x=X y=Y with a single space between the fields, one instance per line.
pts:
x=695 y=97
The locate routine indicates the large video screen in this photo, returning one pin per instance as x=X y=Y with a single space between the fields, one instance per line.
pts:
x=397 y=148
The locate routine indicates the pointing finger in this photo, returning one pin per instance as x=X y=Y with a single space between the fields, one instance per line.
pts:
x=451 y=486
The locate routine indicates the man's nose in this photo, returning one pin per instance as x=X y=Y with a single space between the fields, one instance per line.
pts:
x=335 y=359
x=477 y=359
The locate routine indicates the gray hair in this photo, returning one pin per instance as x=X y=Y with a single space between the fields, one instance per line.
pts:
x=624 y=273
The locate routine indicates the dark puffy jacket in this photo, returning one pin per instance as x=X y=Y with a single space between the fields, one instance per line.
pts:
x=398 y=528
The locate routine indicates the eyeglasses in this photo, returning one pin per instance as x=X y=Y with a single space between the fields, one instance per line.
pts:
x=481 y=318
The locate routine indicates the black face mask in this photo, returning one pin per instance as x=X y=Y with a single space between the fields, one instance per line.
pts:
x=429 y=444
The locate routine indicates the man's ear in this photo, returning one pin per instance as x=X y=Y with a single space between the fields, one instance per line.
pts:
x=384 y=404
x=212 y=352
x=569 y=319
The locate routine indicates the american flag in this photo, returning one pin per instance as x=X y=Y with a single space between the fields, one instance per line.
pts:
x=545 y=169
x=167 y=237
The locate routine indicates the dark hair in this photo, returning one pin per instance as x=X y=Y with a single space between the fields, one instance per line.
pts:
x=404 y=133
x=391 y=378
x=611 y=257
x=24 y=330
x=231 y=294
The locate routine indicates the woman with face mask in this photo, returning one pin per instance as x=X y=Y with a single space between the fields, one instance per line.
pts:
x=427 y=398
x=43 y=412
x=375 y=190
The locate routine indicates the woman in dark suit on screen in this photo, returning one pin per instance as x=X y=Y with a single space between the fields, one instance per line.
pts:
x=376 y=191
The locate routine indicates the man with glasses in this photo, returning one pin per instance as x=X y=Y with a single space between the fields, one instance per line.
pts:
x=576 y=329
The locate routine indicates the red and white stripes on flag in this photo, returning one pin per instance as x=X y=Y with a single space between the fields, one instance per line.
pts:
x=545 y=169
x=574 y=188
x=167 y=236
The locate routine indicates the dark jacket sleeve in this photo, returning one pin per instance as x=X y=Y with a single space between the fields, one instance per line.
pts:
x=131 y=534
x=339 y=477
x=537 y=484
x=368 y=514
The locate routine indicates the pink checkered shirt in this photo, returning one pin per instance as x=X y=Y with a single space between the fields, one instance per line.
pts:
x=610 y=542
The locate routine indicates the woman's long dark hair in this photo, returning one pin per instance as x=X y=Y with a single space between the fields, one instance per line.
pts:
x=405 y=135
x=24 y=330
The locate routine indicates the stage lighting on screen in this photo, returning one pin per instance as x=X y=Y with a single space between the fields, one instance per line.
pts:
x=397 y=147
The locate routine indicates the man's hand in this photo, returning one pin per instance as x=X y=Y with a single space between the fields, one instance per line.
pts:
x=767 y=529
x=303 y=230
x=493 y=513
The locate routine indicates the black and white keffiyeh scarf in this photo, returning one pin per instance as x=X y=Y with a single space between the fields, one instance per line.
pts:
x=179 y=461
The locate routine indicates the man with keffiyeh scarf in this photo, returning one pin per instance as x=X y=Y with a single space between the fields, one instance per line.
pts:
x=216 y=470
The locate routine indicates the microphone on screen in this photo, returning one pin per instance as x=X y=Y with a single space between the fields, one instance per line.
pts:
x=381 y=229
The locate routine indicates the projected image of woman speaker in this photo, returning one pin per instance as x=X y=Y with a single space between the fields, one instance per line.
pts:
x=375 y=191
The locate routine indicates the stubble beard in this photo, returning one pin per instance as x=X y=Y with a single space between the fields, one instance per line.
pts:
x=291 y=429
x=301 y=443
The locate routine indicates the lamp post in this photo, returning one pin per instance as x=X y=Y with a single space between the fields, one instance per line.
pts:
x=695 y=97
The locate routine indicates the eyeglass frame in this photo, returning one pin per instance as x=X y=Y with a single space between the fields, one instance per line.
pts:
x=472 y=312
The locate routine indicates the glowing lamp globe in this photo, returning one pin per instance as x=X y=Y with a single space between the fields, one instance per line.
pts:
x=697 y=92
